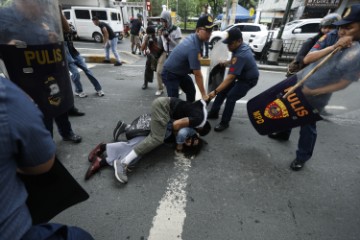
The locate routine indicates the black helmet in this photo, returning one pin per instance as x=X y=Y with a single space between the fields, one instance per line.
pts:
x=329 y=19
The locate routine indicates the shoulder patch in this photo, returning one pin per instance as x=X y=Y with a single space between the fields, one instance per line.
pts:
x=233 y=60
x=322 y=38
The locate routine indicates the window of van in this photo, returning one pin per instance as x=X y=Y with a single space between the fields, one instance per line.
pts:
x=249 y=28
x=67 y=15
x=114 y=16
x=82 y=14
x=100 y=14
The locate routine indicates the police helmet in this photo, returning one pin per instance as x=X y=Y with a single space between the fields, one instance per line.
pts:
x=329 y=19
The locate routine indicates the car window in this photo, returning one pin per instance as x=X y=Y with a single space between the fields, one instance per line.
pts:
x=114 y=16
x=310 y=28
x=250 y=28
x=82 y=14
x=100 y=14
x=241 y=27
x=291 y=24
x=67 y=15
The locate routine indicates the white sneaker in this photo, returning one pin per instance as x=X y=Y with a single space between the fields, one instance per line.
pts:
x=180 y=92
x=120 y=171
x=81 y=94
x=159 y=92
x=100 y=93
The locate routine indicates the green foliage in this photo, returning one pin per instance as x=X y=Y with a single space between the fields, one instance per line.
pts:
x=5 y=3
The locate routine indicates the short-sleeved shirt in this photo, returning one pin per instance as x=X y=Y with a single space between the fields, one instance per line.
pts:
x=344 y=65
x=24 y=142
x=135 y=27
x=108 y=28
x=196 y=111
x=243 y=65
x=326 y=40
x=185 y=57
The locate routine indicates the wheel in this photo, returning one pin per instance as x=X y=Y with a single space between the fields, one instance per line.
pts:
x=98 y=37
x=213 y=42
x=121 y=36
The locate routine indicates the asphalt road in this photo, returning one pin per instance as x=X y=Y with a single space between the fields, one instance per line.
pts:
x=239 y=187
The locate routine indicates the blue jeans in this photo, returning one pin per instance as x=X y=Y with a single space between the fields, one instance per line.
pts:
x=173 y=81
x=78 y=62
x=232 y=93
x=113 y=45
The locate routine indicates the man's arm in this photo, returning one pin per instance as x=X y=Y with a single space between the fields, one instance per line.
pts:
x=39 y=169
x=229 y=79
x=106 y=35
x=326 y=89
x=200 y=83
x=180 y=123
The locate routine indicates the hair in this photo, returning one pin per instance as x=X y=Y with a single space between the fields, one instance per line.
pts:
x=95 y=18
x=203 y=131
x=150 y=30
x=193 y=150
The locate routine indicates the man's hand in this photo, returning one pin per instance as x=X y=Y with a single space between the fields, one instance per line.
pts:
x=344 y=42
x=206 y=98
x=212 y=95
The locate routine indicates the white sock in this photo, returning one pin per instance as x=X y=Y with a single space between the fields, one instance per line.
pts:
x=130 y=157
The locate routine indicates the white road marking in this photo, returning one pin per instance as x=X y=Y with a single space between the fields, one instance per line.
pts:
x=170 y=215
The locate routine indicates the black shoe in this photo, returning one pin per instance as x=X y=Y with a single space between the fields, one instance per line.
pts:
x=133 y=52
x=144 y=86
x=75 y=112
x=213 y=115
x=280 y=136
x=118 y=64
x=297 y=165
x=73 y=138
x=221 y=127
x=106 y=61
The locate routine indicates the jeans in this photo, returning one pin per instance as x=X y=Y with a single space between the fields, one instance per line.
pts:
x=173 y=81
x=232 y=93
x=75 y=77
x=113 y=45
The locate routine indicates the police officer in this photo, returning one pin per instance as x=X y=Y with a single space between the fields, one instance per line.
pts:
x=185 y=59
x=242 y=76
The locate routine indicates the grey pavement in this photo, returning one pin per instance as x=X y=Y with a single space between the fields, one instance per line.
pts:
x=239 y=187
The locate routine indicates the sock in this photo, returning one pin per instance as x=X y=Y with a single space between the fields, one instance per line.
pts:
x=130 y=157
x=103 y=162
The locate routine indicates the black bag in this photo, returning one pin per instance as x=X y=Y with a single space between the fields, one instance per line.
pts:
x=139 y=127
x=51 y=193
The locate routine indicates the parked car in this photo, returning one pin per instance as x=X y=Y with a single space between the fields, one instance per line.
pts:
x=298 y=31
x=253 y=34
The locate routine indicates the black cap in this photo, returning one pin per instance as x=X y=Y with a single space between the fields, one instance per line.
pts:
x=234 y=34
x=351 y=15
x=205 y=22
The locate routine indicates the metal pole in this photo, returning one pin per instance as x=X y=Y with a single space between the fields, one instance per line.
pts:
x=233 y=11
x=278 y=42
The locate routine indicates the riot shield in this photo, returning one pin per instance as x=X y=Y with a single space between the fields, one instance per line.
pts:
x=219 y=53
x=270 y=112
x=32 y=52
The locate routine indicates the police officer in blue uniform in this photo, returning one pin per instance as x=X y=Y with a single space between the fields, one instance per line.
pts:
x=184 y=60
x=242 y=76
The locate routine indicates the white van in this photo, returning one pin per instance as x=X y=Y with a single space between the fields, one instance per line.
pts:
x=81 y=19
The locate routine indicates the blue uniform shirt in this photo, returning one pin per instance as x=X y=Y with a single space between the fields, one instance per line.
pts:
x=243 y=65
x=185 y=56
x=24 y=142
x=326 y=40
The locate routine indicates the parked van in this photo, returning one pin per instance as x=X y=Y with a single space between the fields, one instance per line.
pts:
x=81 y=19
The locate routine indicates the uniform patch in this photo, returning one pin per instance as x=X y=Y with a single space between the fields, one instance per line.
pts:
x=347 y=13
x=276 y=110
x=233 y=60
x=322 y=38
x=210 y=19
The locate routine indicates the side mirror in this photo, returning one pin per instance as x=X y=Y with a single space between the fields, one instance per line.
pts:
x=297 y=30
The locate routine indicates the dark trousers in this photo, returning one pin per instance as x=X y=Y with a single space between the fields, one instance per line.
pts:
x=232 y=93
x=173 y=81
x=62 y=122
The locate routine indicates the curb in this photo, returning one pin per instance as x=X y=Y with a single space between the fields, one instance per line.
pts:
x=130 y=58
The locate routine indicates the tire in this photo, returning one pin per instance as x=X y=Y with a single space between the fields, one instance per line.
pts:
x=98 y=37
x=213 y=42
x=121 y=36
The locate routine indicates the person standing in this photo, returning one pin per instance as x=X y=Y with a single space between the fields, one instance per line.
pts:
x=110 y=40
x=185 y=59
x=170 y=37
x=75 y=61
x=242 y=76
x=319 y=92
x=135 y=28
x=27 y=148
